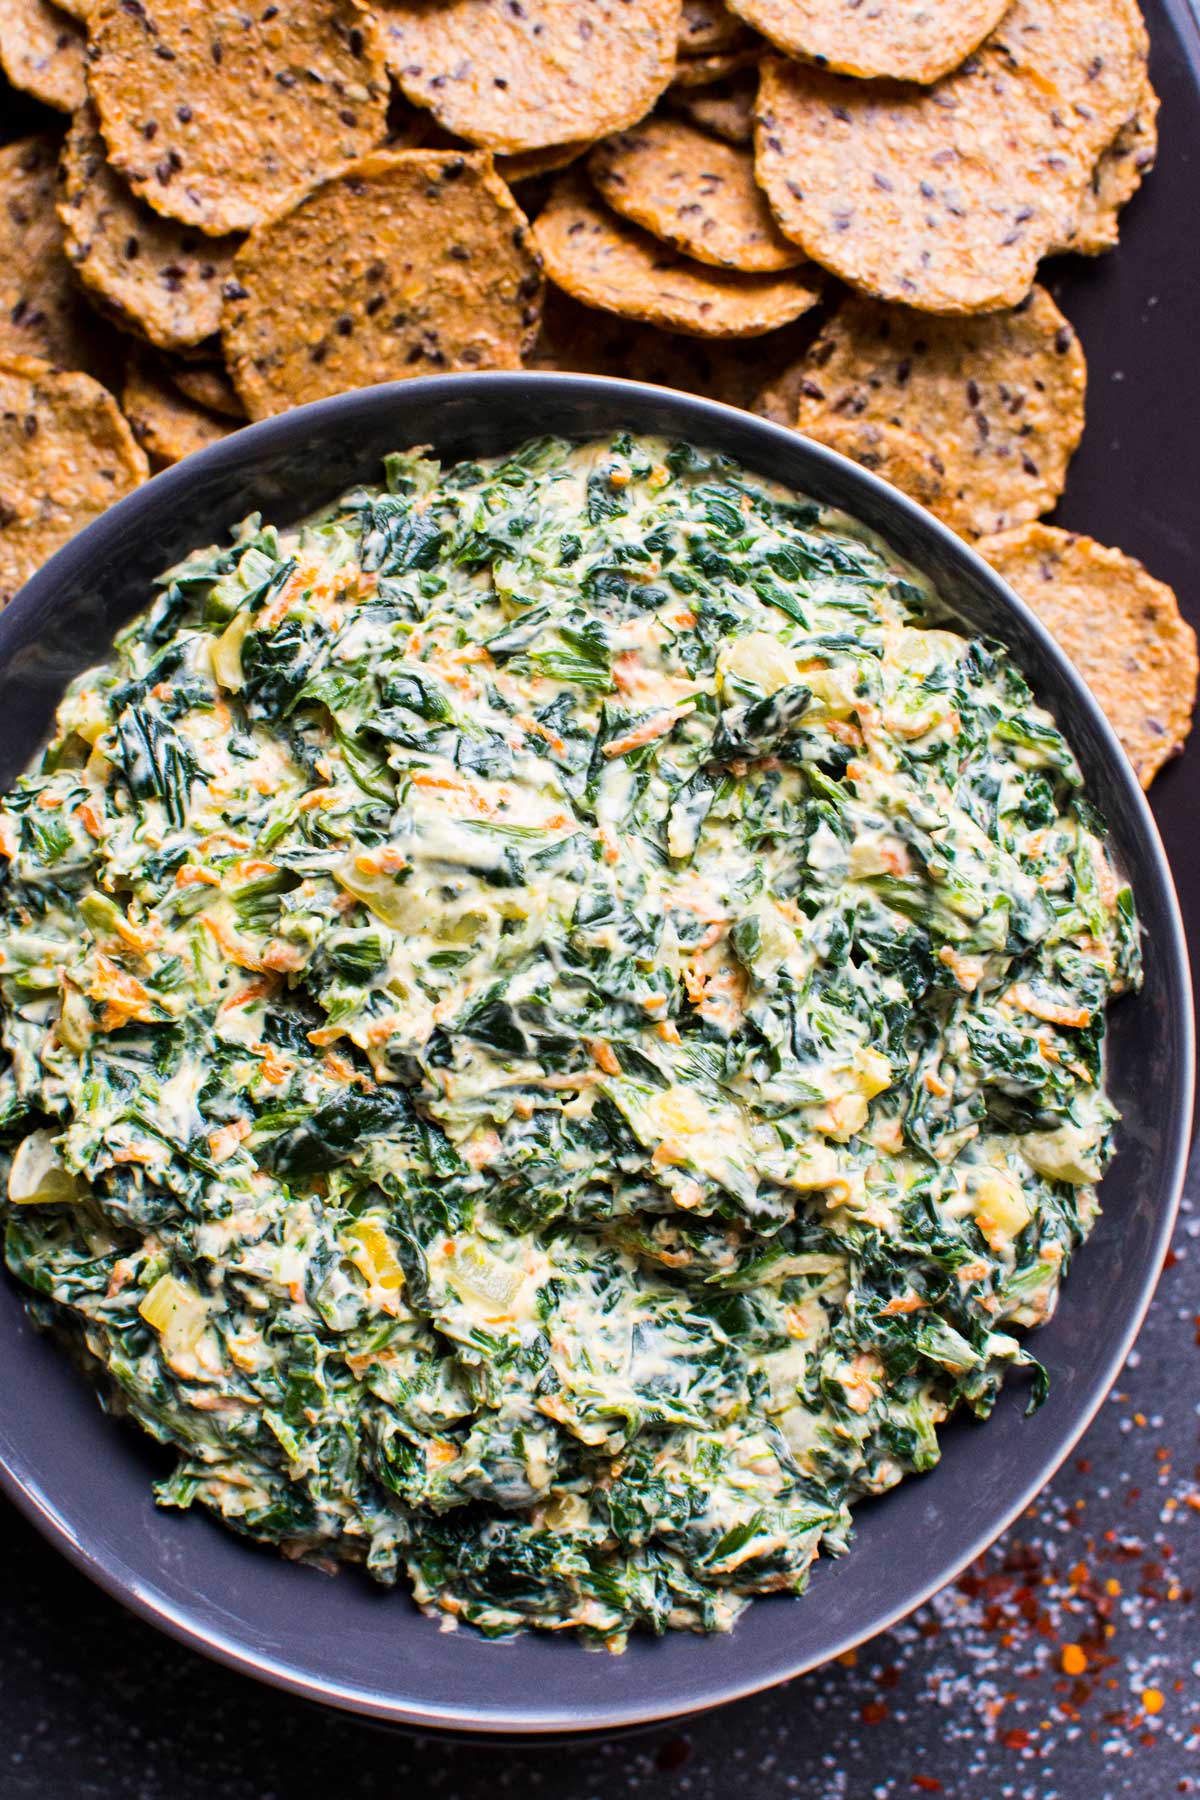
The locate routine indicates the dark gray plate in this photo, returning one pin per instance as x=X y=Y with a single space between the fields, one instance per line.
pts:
x=86 y=1480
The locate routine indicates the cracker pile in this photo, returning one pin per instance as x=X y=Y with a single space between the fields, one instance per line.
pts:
x=832 y=213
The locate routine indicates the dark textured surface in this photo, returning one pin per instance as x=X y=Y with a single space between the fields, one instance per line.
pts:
x=970 y=1697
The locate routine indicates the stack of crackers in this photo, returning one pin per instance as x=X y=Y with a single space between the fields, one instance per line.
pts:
x=830 y=211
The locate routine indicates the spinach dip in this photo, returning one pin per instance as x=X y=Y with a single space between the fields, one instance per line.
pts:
x=554 y=1022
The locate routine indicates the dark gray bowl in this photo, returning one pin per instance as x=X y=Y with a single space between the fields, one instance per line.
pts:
x=85 y=1481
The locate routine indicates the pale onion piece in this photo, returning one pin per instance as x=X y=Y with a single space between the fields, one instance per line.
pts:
x=1002 y=1209
x=177 y=1312
x=379 y=890
x=873 y=1073
x=566 y=1512
x=84 y=714
x=484 y=1276
x=760 y=658
x=833 y=690
x=815 y=1166
x=227 y=653
x=1067 y=1154
x=38 y=1177
x=843 y=1117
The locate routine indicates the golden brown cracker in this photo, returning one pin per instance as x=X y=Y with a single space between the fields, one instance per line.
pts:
x=155 y=276
x=577 y=338
x=414 y=262
x=907 y=40
x=207 y=385
x=707 y=25
x=692 y=192
x=42 y=52
x=897 y=456
x=41 y=312
x=165 y=422
x=1120 y=627
x=66 y=454
x=1116 y=178
x=219 y=117
x=522 y=77
x=944 y=198
x=608 y=263
x=725 y=109
x=999 y=397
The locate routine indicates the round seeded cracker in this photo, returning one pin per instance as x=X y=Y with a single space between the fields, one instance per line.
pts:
x=608 y=263
x=41 y=312
x=66 y=454
x=155 y=276
x=522 y=77
x=413 y=262
x=166 y=424
x=1120 y=627
x=219 y=117
x=1116 y=178
x=694 y=193
x=945 y=198
x=42 y=52
x=909 y=40
x=1000 y=398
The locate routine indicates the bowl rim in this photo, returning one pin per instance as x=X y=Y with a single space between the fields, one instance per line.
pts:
x=66 y=567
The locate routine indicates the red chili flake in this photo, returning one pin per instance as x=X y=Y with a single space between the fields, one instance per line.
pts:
x=1015 y=1739
x=928 y=1784
x=1084 y=1464
x=874 y=1712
